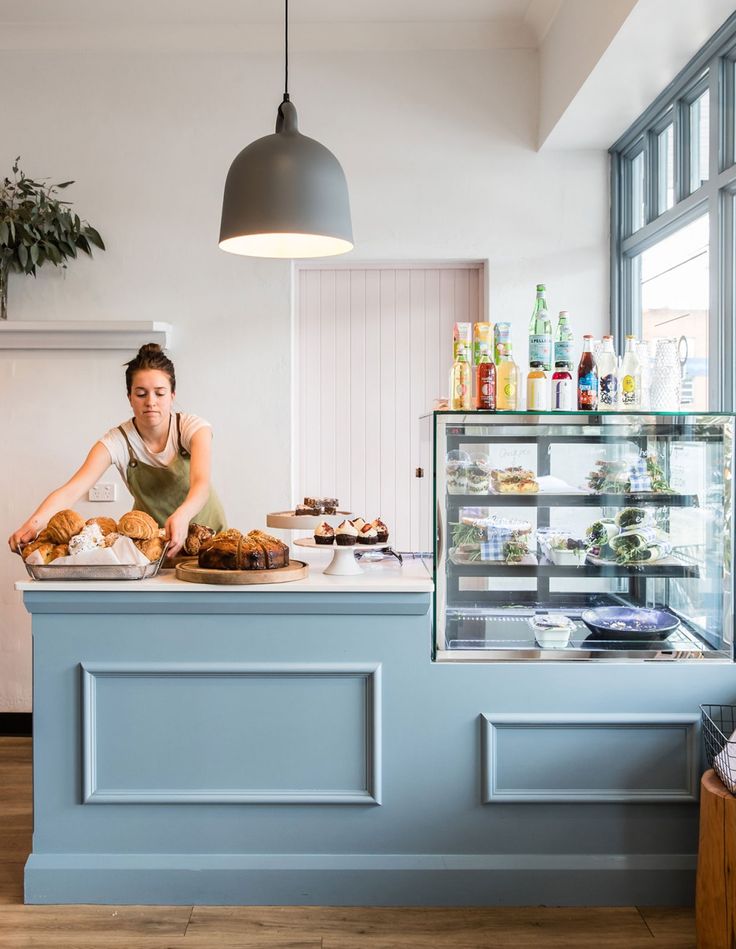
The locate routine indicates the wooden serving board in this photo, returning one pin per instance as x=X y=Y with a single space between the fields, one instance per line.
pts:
x=190 y=571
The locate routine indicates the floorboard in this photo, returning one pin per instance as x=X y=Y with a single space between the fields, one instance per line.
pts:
x=297 y=927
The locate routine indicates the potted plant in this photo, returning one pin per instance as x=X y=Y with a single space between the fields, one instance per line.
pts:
x=37 y=228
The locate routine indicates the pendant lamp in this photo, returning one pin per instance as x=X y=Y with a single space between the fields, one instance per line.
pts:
x=285 y=194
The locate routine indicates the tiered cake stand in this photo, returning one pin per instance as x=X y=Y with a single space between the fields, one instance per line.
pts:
x=343 y=563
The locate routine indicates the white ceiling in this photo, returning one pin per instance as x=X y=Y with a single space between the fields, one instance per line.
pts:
x=534 y=16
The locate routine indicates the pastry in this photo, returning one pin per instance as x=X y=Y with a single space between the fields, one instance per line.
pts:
x=64 y=525
x=106 y=524
x=231 y=550
x=34 y=545
x=87 y=539
x=324 y=534
x=329 y=505
x=109 y=539
x=368 y=535
x=197 y=535
x=381 y=530
x=45 y=551
x=309 y=510
x=60 y=550
x=346 y=534
x=152 y=548
x=138 y=525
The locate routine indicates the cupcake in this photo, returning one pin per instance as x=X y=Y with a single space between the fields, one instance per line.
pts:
x=368 y=535
x=346 y=534
x=381 y=530
x=324 y=534
x=358 y=524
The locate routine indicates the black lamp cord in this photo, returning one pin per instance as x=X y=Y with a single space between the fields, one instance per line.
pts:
x=286 y=50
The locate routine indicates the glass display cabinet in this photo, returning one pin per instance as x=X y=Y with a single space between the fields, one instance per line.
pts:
x=582 y=536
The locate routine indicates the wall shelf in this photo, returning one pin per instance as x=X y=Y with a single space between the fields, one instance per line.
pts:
x=82 y=334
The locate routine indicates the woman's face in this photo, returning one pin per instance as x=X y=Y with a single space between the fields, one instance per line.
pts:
x=151 y=396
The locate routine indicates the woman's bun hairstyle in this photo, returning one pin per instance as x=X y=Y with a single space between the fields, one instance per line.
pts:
x=150 y=356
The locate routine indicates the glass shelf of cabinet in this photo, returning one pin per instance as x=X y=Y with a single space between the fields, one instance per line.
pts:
x=519 y=499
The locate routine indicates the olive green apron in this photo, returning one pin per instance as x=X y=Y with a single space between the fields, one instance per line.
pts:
x=160 y=491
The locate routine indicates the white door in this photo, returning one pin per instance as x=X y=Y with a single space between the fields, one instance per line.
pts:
x=372 y=351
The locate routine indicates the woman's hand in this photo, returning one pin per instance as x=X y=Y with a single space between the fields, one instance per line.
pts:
x=24 y=534
x=177 y=528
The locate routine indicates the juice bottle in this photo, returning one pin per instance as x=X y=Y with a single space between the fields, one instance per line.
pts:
x=485 y=384
x=607 y=378
x=462 y=334
x=507 y=382
x=460 y=383
x=537 y=389
x=540 y=332
x=587 y=378
x=563 y=389
x=630 y=377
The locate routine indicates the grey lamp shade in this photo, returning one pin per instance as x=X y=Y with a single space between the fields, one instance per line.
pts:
x=286 y=196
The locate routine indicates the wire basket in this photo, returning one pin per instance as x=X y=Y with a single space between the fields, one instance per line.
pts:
x=719 y=726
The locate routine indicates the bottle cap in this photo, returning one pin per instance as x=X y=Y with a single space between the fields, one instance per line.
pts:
x=588 y=336
x=536 y=365
x=540 y=286
x=564 y=313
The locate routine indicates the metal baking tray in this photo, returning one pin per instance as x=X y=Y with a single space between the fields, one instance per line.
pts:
x=101 y=571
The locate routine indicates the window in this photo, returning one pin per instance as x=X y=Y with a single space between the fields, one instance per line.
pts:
x=673 y=229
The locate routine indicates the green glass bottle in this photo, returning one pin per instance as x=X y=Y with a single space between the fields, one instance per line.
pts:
x=540 y=332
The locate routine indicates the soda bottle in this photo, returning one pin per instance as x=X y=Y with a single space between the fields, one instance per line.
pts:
x=630 y=377
x=507 y=382
x=460 y=382
x=485 y=384
x=482 y=341
x=607 y=378
x=563 y=341
x=540 y=332
x=587 y=378
x=537 y=390
x=563 y=389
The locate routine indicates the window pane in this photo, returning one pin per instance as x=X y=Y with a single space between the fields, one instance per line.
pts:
x=699 y=140
x=674 y=304
x=666 y=166
x=636 y=166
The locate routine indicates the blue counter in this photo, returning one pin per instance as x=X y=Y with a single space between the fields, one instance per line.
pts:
x=297 y=745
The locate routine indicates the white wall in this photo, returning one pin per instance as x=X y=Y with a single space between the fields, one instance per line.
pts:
x=439 y=151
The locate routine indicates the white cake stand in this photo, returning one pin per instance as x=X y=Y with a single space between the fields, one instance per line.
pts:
x=343 y=563
x=289 y=521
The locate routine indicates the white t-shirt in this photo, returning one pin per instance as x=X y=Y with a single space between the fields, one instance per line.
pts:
x=116 y=445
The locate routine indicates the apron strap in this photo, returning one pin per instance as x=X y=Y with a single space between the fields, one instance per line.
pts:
x=132 y=460
x=182 y=451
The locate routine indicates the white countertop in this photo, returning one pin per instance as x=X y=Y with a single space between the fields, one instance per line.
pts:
x=384 y=577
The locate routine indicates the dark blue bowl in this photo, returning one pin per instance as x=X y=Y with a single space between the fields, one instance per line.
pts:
x=629 y=622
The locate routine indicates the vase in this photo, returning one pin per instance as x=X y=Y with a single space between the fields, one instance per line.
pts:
x=4 y=274
x=665 y=386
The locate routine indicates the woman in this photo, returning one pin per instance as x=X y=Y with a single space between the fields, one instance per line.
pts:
x=163 y=457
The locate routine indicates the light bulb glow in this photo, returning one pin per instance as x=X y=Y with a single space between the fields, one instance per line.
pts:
x=286 y=245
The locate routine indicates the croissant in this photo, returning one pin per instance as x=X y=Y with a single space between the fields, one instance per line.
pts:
x=61 y=550
x=106 y=524
x=64 y=525
x=138 y=525
x=34 y=545
x=45 y=552
x=152 y=548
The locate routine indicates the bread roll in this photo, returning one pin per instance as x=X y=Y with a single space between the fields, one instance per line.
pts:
x=152 y=548
x=64 y=525
x=138 y=525
x=198 y=535
x=45 y=552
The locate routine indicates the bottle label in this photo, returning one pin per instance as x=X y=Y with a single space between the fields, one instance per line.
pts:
x=540 y=350
x=588 y=391
x=628 y=390
x=563 y=351
x=536 y=395
x=608 y=388
x=563 y=394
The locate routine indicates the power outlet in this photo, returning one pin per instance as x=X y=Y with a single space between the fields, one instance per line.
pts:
x=103 y=491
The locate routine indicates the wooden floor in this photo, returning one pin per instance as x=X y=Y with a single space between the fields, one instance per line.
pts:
x=242 y=927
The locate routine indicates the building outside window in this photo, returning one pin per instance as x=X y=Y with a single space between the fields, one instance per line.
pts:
x=672 y=223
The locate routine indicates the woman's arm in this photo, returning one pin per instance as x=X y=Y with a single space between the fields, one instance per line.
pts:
x=177 y=525
x=95 y=465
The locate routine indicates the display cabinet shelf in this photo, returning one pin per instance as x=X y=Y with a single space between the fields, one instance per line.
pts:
x=639 y=571
x=571 y=500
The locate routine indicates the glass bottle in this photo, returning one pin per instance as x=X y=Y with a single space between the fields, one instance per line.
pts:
x=537 y=389
x=607 y=377
x=540 y=332
x=563 y=389
x=507 y=382
x=587 y=378
x=563 y=341
x=630 y=377
x=460 y=382
x=485 y=383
